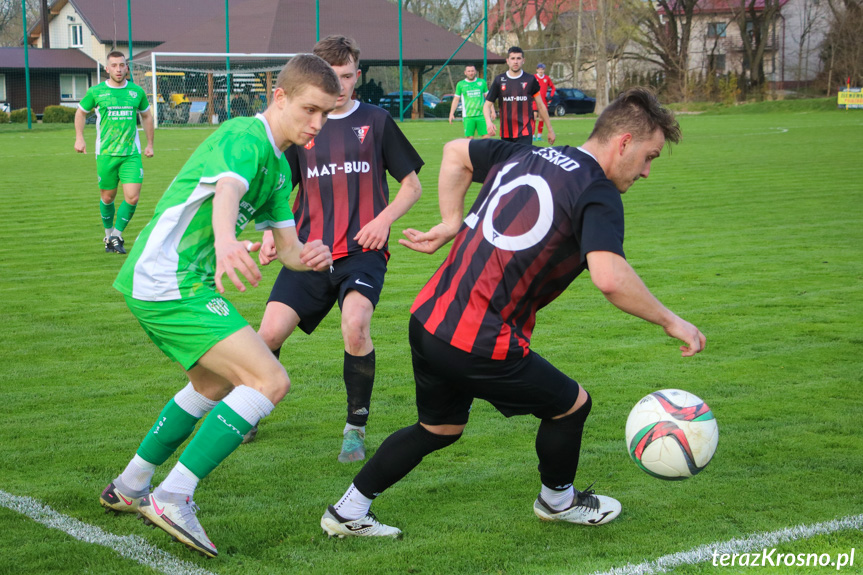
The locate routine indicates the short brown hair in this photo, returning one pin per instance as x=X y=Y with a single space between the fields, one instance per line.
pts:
x=338 y=50
x=638 y=112
x=114 y=54
x=308 y=70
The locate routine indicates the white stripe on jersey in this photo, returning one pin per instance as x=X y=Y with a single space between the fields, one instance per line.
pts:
x=155 y=277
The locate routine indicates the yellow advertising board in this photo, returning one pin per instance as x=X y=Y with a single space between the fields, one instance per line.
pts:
x=850 y=99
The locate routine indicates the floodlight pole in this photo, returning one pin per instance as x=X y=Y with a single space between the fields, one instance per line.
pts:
x=401 y=60
x=485 y=40
x=129 y=20
x=317 y=20
x=227 y=62
x=26 y=63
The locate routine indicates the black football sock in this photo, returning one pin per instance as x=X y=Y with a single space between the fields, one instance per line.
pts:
x=397 y=456
x=359 y=374
x=558 y=444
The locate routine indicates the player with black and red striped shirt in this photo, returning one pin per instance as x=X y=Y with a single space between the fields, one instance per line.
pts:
x=517 y=94
x=343 y=199
x=542 y=217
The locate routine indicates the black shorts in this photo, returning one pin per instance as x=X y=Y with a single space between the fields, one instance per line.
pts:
x=523 y=140
x=312 y=294
x=448 y=379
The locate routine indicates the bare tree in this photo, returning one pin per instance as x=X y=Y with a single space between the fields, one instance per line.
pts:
x=11 y=32
x=664 y=29
x=809 y=21
x=756 y=20
x=842 y=49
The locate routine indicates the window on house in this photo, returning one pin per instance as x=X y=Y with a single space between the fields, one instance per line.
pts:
x=2 y=87
x=716 y=29
x=76 y=35
x=716 y=62
x=73 y=86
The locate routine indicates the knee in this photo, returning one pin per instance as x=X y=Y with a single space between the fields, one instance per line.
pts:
x=275 y=383
x=272 y=335
x=131 y=196
x=357 y=335
x=108 y=196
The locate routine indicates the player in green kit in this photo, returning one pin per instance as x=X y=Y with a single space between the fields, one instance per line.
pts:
x=172 y=283
x=117 y=102
x=472 y=91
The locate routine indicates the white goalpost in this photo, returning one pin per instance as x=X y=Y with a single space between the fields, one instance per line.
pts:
x=187 y=88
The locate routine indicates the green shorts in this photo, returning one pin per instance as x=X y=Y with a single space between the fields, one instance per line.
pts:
x=474 y=124
x=185 y=329
x=114 y=169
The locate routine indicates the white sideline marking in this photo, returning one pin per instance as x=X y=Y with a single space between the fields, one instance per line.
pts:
x=752 y=542
x=128 y=546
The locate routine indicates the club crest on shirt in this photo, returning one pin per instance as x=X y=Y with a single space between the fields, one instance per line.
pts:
x=310 y=145
x=524 y=85
x=361 y=132
x=219 y=307
x=133 y=94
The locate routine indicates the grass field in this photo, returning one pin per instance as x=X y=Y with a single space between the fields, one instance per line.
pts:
x=752 y=229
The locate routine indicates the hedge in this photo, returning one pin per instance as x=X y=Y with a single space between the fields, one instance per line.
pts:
x=58 y=115
x=20 y=116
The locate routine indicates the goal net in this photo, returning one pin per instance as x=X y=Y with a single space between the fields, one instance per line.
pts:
x=199 y=88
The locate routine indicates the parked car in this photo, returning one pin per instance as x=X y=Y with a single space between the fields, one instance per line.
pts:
x=445 y=104
x=571 y=101
x=390 y=103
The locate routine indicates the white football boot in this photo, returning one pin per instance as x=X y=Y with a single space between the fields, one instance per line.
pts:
x=174 y=514
x=335 y=525
x=586 y=508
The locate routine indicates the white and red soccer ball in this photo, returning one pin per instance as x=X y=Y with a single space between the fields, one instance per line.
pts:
x=671 y=434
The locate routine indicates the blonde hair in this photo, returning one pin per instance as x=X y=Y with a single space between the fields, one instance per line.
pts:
x=308 y=70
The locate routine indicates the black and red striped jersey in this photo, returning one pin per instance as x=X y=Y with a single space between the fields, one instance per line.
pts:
x=341 y=176
x=516 y=103
x=526 y=238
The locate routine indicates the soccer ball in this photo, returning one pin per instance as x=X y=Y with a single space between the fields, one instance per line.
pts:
x=671 y=434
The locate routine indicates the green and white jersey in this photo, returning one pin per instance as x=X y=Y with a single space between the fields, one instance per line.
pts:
x=472 y=95
x=116 y=117
x=174 y=257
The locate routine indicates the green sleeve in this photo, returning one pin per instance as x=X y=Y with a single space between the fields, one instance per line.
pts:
x=232 y=156
x=88 y=101
x=144 y=103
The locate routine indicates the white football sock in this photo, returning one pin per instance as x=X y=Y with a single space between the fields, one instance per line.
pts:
x=138 y=474
x=181 y=481
x=353 y=504
x=193 y=402
x=250 y=404
x=348 y=427
x=557 y=500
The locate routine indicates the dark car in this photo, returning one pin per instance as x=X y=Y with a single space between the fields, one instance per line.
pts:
x=390 y=103
x=570 y=101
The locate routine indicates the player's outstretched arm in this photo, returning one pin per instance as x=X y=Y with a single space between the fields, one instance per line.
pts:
x=149 y=131
x=453 y=108
x=374 y=235
x=619 y=283
x=456 y=172
x=80 y=121
x=232 y=256
x=295 y=255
